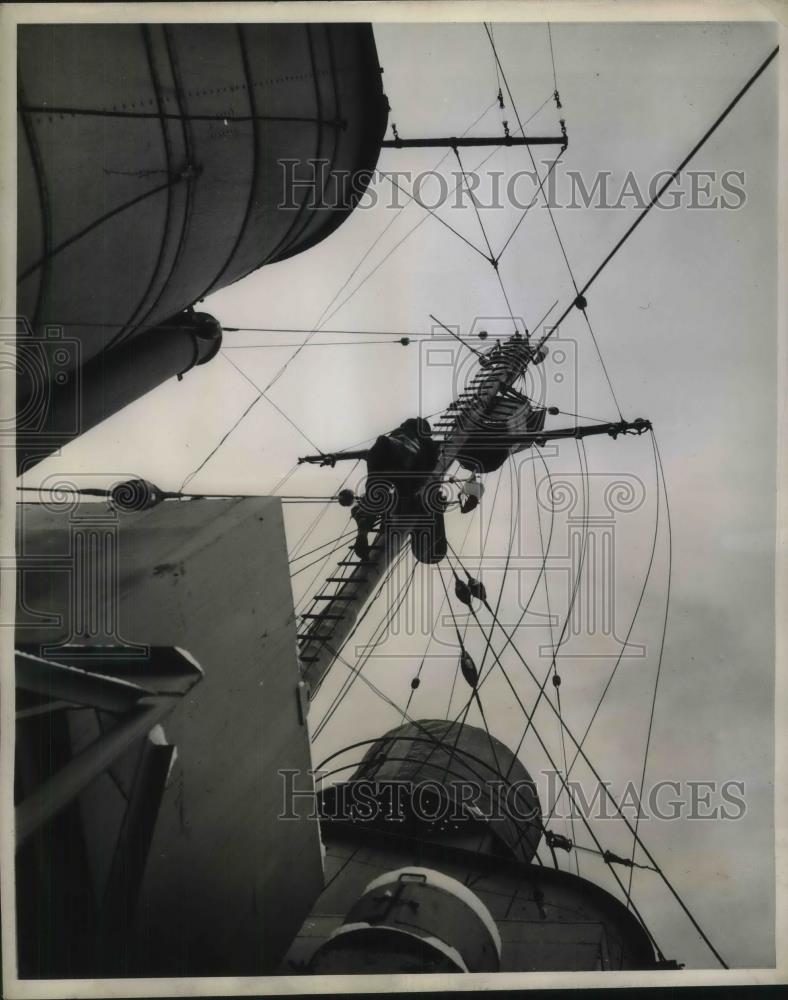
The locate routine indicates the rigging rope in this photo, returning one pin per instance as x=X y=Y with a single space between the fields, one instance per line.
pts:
x=377 y=636
x=435 y=215
x=430 y=637
x=659 y=660
x=553 y=647
x=333 y=541
x=695 y=149
x=563 y=780
x=552 y=59
x=424 y=218
x=388 y=225
x=319 y=517
x=611 y=797
x=490 y=255
x=403 y=341
x=320 y=559
x=541 y=191
x=324 y=318
x=529 y=206
x=552 y=670
x=630 y=628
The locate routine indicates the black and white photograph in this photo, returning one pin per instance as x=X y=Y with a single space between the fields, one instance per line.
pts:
x=393 y=469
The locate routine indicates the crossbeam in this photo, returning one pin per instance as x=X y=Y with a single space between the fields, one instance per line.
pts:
x=452 y=142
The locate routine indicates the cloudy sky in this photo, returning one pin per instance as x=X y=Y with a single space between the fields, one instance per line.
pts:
x=685 y=318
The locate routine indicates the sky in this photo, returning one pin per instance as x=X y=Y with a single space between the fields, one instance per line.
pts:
x=685 y=319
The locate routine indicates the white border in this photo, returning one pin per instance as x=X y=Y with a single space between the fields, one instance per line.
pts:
x=388 y=11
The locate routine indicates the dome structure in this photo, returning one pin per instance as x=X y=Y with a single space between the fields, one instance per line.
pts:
x=451 y=778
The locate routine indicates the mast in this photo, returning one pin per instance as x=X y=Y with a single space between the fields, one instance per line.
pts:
x=326 y=627
x=326 y=631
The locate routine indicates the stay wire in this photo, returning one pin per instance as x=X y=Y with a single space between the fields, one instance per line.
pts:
x=320 y=559
x=659 y=660
x=602 y=362
x=321 y=322
x=630 y=230
x=306 y=601
x=615 y=805
x=552 y=56
x=424 y=218
x=491 y=256
x=317 y=548
x=319 y=517
x=435 y=215
x=375 y=641
x=528 y=207
x=552 y=646
x=513 y=507
x=564 y=781
x=386 y=229
x=552 y=670
x=474 y=694
x=432 y=635
x=539 y=179
x=541 y=183
x=630 y=628
x=538 y=580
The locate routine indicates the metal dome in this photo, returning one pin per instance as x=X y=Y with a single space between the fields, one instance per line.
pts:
x=440 y=752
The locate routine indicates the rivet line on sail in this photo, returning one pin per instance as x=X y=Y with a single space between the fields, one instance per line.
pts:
x=227 y=119
x=117 y=210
